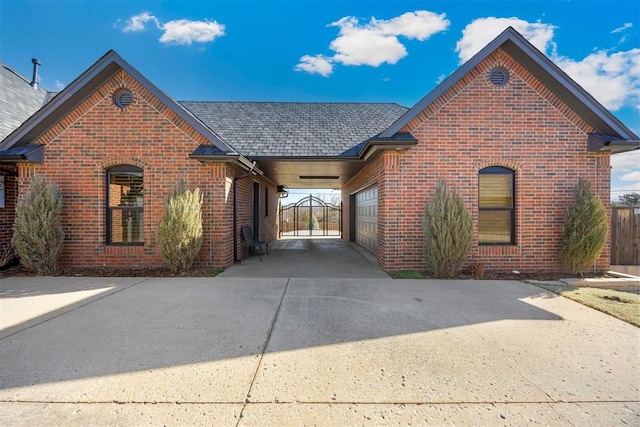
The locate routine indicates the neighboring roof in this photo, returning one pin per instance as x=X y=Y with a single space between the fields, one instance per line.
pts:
x=82 y=87
x=18 y=100
x=547 y=73
x=296 y=129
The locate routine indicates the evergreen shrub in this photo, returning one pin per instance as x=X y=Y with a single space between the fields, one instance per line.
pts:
x=37 y=231
x=180 y=230
x=448 y=233
x=584 y=231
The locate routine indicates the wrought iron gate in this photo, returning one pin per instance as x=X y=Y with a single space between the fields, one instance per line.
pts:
x=311 y=216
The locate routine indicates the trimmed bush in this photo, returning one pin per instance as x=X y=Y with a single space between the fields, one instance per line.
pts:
x=585 y=230
x=448 y=233
x=313 y=223
x=37 y=230
x=180 y=231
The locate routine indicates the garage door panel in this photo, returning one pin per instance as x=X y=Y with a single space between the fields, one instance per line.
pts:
x=367 y=218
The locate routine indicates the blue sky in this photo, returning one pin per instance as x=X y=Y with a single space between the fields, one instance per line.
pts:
x=331 y=50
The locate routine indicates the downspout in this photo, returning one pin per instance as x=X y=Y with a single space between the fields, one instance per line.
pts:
x=235 y=212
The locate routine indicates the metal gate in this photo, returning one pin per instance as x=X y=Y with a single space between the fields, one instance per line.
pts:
x=311 y=216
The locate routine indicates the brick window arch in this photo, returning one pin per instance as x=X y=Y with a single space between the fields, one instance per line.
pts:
x=497 y=206
x=125 y=205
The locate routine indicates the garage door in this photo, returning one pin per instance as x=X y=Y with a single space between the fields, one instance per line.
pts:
x=367 y=218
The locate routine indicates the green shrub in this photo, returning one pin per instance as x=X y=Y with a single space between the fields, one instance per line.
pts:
x=585 y=230
x=448 y=233
x=37 y=230
x=180 y=231
x=313 y=223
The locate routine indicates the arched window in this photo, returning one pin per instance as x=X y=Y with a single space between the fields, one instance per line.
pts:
x=125 y=205
x=496 y=213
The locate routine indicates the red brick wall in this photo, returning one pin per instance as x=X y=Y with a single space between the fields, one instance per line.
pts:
x=268 y=220
x=7 y=214
x=473 y=125
x=98 y=135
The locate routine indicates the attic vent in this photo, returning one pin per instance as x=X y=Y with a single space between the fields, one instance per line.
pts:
x=123 y=98
x=498 y=76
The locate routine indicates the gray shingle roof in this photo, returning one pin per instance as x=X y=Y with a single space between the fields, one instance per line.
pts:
x=18 y=100
x=295 y=129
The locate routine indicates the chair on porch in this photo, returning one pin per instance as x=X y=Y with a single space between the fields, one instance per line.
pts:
x=254 y=244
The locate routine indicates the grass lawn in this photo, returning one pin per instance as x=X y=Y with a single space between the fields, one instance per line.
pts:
x=623 y=305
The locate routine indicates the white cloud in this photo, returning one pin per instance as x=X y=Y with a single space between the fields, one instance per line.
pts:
x=612 y=78
x=625 y=173
x=365 y=46
x=183 y=31
x=137 y=22
x=419 y=25
x=624 y=27
x=625 y=163
x=631 y=176
x=318 y=64
x=377 y=42
x=482 y=31
x=59 y=85
x=180 y=31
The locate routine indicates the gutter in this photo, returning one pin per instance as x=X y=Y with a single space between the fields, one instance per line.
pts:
x=32 y=153
x=606 y=143
x=399 y=142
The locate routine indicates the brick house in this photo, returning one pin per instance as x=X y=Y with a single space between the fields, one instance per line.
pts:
x=509 y=131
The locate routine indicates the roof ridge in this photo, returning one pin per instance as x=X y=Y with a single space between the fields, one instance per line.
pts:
x=295 y=102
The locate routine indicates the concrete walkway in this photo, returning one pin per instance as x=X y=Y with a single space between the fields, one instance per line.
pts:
x=309 y=351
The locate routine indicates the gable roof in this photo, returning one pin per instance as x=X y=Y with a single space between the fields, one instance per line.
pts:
x=547 y=73
x=82 y=87
x=18 y=99
x=296 y=129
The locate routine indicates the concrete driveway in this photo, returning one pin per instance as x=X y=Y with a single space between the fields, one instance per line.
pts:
x=309 y=351
x=317 y=257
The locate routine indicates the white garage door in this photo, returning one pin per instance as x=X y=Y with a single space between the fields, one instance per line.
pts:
x=367 y=218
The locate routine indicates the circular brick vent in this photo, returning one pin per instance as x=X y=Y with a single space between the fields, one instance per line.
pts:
x=123 y=98
x=498 y=76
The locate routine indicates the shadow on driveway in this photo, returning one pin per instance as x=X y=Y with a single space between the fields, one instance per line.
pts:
x=161 y=322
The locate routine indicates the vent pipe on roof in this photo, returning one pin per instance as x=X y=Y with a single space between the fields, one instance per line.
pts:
x=34 y=82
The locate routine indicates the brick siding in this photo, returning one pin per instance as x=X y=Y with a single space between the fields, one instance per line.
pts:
x=475 y=124
x=7 y=214
x=98 y=135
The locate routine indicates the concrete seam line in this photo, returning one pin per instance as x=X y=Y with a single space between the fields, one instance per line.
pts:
x=264 y=349
x=74 y=307
x=312 y=402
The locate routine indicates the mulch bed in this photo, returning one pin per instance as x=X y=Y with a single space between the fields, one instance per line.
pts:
x=18 y=270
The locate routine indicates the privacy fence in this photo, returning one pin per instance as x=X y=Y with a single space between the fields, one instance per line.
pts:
x=625 y=235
